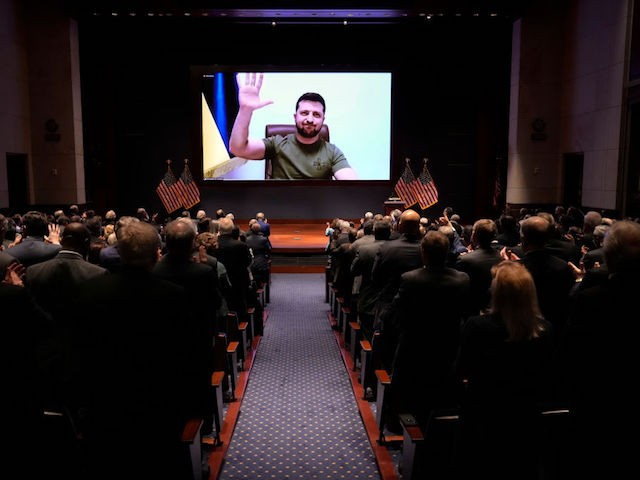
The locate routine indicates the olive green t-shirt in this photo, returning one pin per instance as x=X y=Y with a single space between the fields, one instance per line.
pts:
x=291 y=159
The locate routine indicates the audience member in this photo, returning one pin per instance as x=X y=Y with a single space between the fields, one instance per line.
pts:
x=479 y=261
x=599 y=358
x=134 y=361
x=431 y=303
x=505 y=360
x=109 y=256
x=554 y=277
x=53 y=284
x=393 y=258
x=39 y=240
x=235 y=255
x=362 y=266
x=261 y=252
x=265 y=227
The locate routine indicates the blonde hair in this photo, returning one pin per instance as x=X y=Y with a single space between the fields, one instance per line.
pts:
x=515 y=301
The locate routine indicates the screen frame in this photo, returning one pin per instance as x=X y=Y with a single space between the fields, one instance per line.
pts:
x=357 y=119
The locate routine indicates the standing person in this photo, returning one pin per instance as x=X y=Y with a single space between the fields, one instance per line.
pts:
x=505 y=358
x=39 y=241
x=600 y=359
x=261 y=252
x=200 y=279
x=554 y=278
x=429 y=307
x=133 y=356
x=54 y=283
x=479 y=261
x=235 y=255
x=394 y=258
x=265 y=227
x=303 y=154
x=5 y=258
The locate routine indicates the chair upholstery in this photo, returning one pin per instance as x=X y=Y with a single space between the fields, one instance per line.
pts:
x=283 y=130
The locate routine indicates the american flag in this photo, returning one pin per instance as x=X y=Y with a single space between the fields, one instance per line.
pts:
x=167 y=191
x=188 y=188
x=405 y=186
x=425 y=188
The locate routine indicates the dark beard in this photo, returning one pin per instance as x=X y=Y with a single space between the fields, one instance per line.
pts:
x=303 y=133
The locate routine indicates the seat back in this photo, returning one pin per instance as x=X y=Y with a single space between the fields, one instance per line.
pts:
x=284 y=129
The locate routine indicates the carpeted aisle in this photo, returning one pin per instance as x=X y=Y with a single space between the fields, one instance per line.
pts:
x=299 y=418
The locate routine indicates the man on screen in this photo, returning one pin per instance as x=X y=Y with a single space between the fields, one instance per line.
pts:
x=301 y=155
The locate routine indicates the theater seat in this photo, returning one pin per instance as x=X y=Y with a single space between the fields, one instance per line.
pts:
x=283 y=130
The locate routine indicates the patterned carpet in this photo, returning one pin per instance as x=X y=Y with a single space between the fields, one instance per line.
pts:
x=299 y=417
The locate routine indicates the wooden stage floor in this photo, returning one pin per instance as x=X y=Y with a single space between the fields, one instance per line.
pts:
x=298 y=237
x=298 y=247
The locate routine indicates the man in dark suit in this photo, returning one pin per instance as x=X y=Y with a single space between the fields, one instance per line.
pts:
x=236 y=257
x=554 y=278
x=362 y=266
x=393 y=259
x=54 y=284
x=25 y=327
x=600 y=351
x=431 y=303
x=133 y=342
x=478 y=262
x=33 y=248
x=368 y=294
x=265 y=227
x=261 y=251
x=200 y=279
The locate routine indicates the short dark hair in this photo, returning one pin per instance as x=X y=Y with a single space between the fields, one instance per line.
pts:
x=311 y=97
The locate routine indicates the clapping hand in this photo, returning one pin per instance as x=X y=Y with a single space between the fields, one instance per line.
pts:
x=13 y=274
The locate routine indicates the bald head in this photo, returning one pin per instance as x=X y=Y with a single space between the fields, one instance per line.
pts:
x=534 y=232
x=409 y=222
x=76 y=237
x=226 y=226
x=180 y=237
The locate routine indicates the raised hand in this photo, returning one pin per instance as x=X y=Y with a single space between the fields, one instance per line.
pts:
x=249 y=85
x=54 y=234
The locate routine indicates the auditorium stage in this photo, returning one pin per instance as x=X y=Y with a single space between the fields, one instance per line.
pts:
x=298 y=247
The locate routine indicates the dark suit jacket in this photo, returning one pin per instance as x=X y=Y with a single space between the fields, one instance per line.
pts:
x=24 y=328
x=592 y=256
x=261 y=249
x=564 y=249
x=33 y=250
x=54 y=282
x=5 y=261
x=393 y=258
x=477 y=264
x=554 y=281
x=429 y=309
x=499 y=409
x=362 y=266
x=236 y=257
x=201 y=282
x=600 y=356
x=134 y=340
